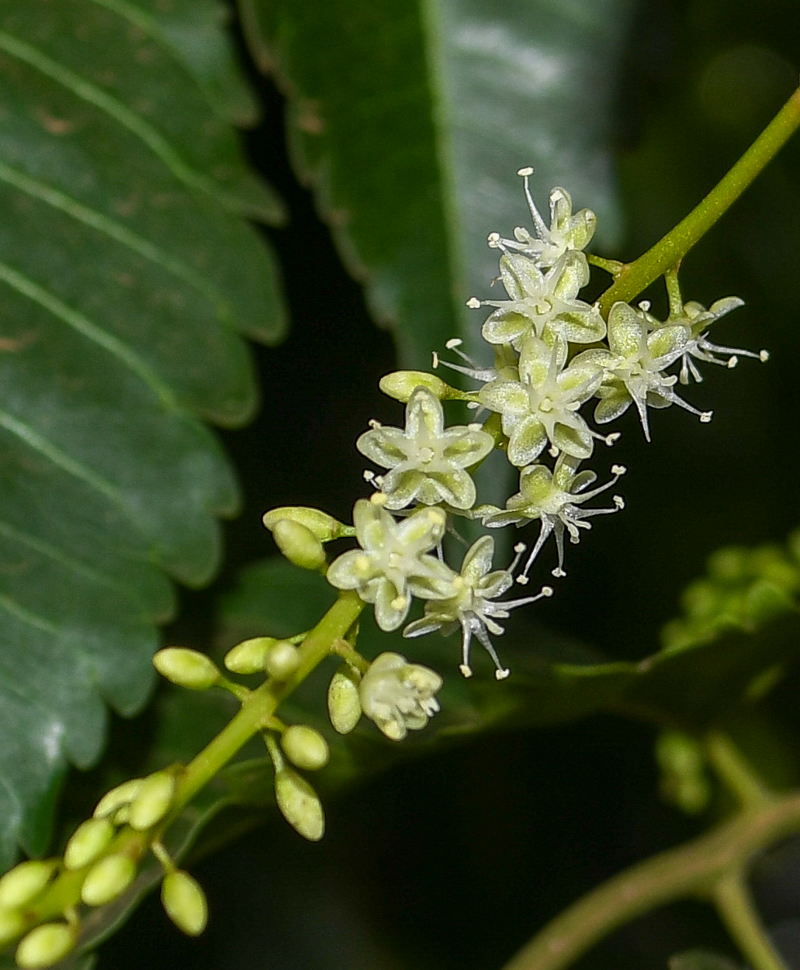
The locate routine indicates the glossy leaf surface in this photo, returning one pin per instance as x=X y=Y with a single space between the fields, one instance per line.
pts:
x=410 y=121
x=126 y=270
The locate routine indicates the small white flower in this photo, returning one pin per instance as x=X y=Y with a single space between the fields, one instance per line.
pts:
x=635 y=365
x=566 y=231
x=428 y=462
x=469 y=603
x=399 y=696
x=555 y=499
x=393 y=562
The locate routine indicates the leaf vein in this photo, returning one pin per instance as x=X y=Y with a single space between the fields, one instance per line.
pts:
x=110 y=227
x=27 y=287
x=113 y=107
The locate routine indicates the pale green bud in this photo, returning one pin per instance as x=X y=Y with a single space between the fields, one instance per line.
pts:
x=184 y=902
x=152 y=801
x=282 y=660
x=117 y=797
x=186 y=668
x=401 y=384
x=299 y=804
x=322 y=525
x=11 y=925
x=107 y=879
x=19 y=886
x=344 y=704
x=299 y=544
x=248 y=656
x=45 y=945
x=87 y=842
x=305 y=747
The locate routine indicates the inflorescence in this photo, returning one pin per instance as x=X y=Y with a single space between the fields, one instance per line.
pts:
x=553 y=354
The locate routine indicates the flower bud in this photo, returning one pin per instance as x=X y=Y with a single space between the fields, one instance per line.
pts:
x=11 y=925
x=184 y=902
x=305 y=747
x=282 y=660
x=45 y=945
x=186 y=668
x=401 y=384
x=298 y=544
x=117 y=797
x=107 y=879
x=152 y=801
x=344 y=705
x=322 y=525
x=299 y=804
x=87 y=842
x=248 y=656
x=26 y=880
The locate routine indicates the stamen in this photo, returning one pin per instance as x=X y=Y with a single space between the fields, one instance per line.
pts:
x=454 y=342
x=465 y=669
x=473 y=303
x=525 y=172
x=706 y=416
x=763 y=356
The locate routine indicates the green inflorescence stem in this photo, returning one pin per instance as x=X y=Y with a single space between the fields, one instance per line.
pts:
x=256 y=711
x=670 y=250
x=700 y=868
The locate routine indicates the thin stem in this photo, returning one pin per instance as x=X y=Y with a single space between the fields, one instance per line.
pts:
x=736 y=773
x=690 y=870
x=255 y=713
x=736 y=910
x=669 y=250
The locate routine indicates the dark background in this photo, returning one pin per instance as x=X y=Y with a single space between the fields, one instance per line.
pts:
x=454 y=861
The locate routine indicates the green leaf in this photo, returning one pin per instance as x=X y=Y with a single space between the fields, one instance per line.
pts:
x=410 y=121
x=125 y=272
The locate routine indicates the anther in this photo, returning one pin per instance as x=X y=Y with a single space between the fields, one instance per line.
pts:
x=524 y=172
x=618 y=469
x=456 y=341
x=611 y=438
x=502 y=674
x=473 y=303
x=546 y=591
x=732 y=362
x=619 y=501
x=763 y=356
x=706 y=416
x=465 y=670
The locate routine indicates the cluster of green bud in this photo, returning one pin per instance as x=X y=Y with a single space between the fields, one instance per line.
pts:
x=100 y=862
x=743 y=588
x=554 y=353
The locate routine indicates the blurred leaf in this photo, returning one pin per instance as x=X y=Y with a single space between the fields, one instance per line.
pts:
x=701 y=960
x=125 y=270
x=410 y=122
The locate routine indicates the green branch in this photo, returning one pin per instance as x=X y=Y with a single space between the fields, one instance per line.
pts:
x=701 y=868
x=670 y=250
x=735 y=907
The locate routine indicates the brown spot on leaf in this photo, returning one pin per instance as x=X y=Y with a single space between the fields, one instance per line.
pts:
x=309 y=117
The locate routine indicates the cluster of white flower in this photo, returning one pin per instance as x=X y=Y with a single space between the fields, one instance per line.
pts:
x=553 y=354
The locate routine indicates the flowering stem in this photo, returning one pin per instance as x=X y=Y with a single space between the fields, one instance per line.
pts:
x=671 y=249
x=256 y=712
x=701 y=868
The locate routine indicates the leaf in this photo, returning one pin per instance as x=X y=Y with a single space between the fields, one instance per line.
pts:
x=410 y=120
x=125 y=270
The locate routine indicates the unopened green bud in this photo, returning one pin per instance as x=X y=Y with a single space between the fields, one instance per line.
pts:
x=248 y=656
x=184 y=902
x=299 y=544
x=11 y=925
x=107 y=879
x=117 y=797
x=299 y=804
x=322 y=525
x=87 y=842
x=45 y=945
x=401 y=384
x=186 y=668
x=344 y=704
x=282 y=660
x=153 y=801
x=19 y=886
x=305 y=747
